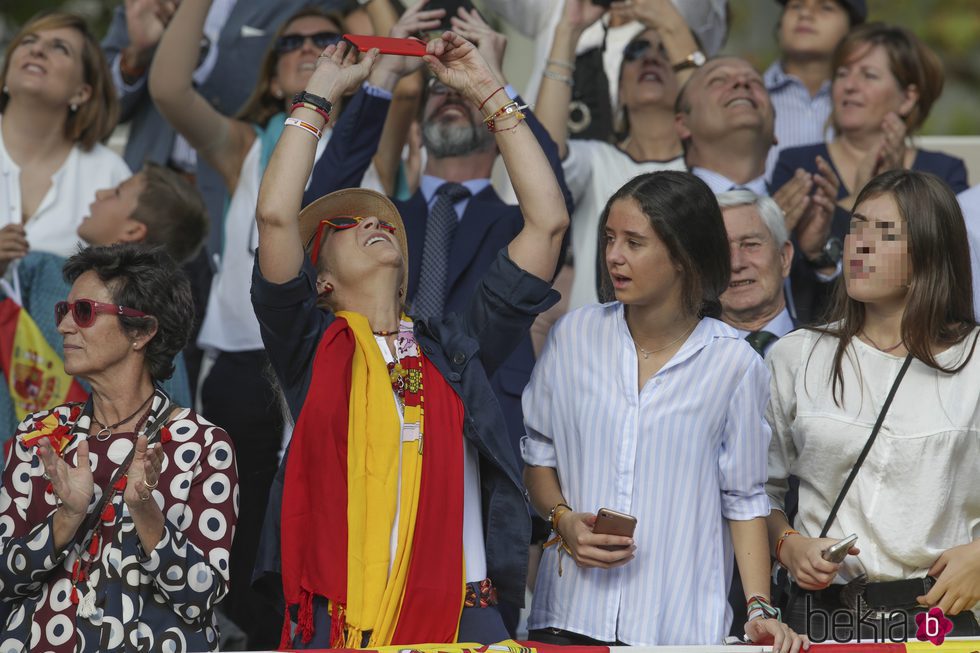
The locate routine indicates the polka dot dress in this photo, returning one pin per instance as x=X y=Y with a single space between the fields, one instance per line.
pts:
x=160 y=600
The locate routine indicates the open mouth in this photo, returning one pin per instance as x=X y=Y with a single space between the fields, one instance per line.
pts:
x=651 y=76
x=373 y=240
x=619 y=281
x=34 y=68
x=741 y=283
x=308 y=66
x=741 y=101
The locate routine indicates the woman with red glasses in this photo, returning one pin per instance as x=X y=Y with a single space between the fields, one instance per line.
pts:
x=117 y=514
x=391 y=528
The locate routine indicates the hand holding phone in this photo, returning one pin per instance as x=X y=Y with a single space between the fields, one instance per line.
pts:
x=837 y=552
x=410 y=47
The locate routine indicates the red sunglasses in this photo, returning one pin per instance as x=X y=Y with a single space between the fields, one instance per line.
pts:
x=83 y=311
x=341 y=222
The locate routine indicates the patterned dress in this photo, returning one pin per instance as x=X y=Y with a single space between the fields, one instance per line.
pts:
x=161 y=600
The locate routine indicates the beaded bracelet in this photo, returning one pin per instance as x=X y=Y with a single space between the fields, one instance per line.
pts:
x=562 y=64
x=305 y=126
x=311 y=107
x=564 y=79
x=759 y=607
x=782 y=538
x=554 y=517
x=507 y=111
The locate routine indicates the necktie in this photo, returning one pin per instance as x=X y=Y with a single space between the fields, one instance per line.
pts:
x=430 y=298
x=760 y=340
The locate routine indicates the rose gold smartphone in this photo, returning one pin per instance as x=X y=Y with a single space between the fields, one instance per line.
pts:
x=611 y=522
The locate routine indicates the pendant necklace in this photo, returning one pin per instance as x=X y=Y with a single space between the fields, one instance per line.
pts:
x=105 y=432
x=646 y=352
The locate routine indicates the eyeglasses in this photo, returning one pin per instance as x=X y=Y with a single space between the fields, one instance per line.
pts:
x=83 y=311
x=291 y=42
x=341 y=222
x=639 y=49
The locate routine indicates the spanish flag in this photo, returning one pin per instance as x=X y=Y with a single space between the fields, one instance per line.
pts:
x=35 y=373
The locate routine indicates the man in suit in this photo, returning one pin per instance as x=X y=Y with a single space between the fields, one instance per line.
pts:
x=755 y=302
x=725 y=121
x=455 y=222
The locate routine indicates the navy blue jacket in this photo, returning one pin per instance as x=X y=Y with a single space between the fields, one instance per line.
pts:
x=487 y=225
x=466 y=349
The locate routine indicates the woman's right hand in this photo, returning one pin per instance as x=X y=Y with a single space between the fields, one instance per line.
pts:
x=803 y=556
x=13 y=245
x=338 y=72
x=73 y=486
x=575 y=529
x=416 y=19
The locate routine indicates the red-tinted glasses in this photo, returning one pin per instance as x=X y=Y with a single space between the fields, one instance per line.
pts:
x=83 y=311
x=341 y=222
x=291 y=42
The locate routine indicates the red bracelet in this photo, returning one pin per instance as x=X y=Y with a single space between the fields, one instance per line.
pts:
x=311 y=107
x=782 y=538
x=480 y=108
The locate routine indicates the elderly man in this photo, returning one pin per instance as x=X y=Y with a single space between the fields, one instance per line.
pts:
x=725 y=120
x=755 y=302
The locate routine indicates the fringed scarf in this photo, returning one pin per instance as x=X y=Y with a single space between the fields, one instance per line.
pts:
x=341 y=496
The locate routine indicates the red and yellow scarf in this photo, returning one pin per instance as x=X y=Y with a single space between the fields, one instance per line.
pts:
x=341 y=496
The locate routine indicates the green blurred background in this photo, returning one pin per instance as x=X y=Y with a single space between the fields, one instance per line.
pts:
x=951 y=27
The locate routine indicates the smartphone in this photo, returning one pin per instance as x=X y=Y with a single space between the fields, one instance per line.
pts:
x=610 y=522
x=838 y=551
x=451 y=7
x=409 y=47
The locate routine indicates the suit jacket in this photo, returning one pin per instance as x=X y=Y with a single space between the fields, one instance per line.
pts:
x=241 y=46
x=487 y=225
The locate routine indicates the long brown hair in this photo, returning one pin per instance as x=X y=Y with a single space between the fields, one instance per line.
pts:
x=263 y=104
x=910 y=60
x=939 y=309
x=96 y=118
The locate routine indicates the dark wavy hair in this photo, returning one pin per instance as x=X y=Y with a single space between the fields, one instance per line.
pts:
x=147 y=279
x=684 y=214
x=939 y=310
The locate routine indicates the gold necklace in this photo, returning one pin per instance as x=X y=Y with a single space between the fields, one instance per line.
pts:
x=646 y=353
x=885 y=351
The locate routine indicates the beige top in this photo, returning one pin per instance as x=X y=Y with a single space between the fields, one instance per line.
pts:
x=918 y=492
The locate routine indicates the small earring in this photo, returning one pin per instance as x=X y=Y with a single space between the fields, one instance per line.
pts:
x=400 y=292
x=73 y=107
x=327 y=288
x=6 y=91
x=136 y=345
x=278 y=93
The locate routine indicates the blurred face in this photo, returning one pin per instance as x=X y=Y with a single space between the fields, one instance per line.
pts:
x=109 y=219
x=726 y=95
x=347 y=256
x=48 y=64
x=646 y=76
x=877 y=267
x=812 y=27
x=864 y=91
x=640 y=266
x=295 y=66
x=452 y=126
x=100 y=347
x=759 y=266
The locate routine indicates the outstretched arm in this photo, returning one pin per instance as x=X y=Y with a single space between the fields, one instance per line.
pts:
x=458 y=64
x=281 y=193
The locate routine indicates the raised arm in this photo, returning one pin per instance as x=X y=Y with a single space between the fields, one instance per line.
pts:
x=458 y=64
x=555 y=92
x=220 y=140
x=281 y=193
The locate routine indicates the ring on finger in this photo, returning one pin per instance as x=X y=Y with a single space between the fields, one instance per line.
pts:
x=151 y=487
x=145 y=497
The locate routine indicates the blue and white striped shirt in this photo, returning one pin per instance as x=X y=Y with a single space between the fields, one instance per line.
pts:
x=801 y=118
x=683 y=455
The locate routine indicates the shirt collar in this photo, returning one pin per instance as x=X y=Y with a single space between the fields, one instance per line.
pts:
x=707 y=330
x=778 y=326
x=719 y=183
x=775 y=78
x=431 y=184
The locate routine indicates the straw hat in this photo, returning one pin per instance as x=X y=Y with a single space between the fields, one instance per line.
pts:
x=353 y=202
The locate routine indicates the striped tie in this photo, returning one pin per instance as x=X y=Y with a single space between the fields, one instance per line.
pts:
x=430 y=298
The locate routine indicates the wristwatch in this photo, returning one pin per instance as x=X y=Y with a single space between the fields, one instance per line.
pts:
x=833 y=252
x=694 y=60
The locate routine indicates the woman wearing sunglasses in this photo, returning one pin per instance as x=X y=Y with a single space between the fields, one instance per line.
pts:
x=653 y=69
x=389 y=526
x=116 y=515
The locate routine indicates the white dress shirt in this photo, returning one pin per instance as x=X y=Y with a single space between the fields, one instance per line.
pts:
x=801 y=118
x=683 y=455
x=918 y=492
x=970 y=204
x=719 y=183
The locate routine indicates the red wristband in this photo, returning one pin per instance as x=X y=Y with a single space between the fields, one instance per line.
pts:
x=480 y=108
x=311 y=107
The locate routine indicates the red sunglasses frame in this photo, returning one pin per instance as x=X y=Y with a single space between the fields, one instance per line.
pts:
x=384 y=225
x=61 y=310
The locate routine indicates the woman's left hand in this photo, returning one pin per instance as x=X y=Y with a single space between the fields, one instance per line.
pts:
x=772 y=631
x=458 y=64
x=338 y=72
x=660 y=15
x=958 y=579
x=144 y=473
x=491 y=44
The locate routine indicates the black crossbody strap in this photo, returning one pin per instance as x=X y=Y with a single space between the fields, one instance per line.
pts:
x=867 y=447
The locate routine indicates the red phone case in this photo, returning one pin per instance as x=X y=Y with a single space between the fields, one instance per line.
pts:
x=406 y=47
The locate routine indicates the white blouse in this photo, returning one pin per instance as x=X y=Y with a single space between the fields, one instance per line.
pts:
x=918 y=492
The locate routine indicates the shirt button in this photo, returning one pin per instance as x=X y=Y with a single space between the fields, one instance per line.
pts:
x=459 y=358
x=453 y=376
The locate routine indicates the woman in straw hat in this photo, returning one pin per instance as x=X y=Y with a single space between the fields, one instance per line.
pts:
x=391 y=523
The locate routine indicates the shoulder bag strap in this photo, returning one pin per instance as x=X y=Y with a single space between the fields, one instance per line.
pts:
x=867 y=447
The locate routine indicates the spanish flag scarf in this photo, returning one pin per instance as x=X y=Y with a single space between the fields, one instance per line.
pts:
x=341 y=496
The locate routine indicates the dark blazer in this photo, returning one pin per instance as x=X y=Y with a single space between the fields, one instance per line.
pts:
x=241 y=46
x=487 y=225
